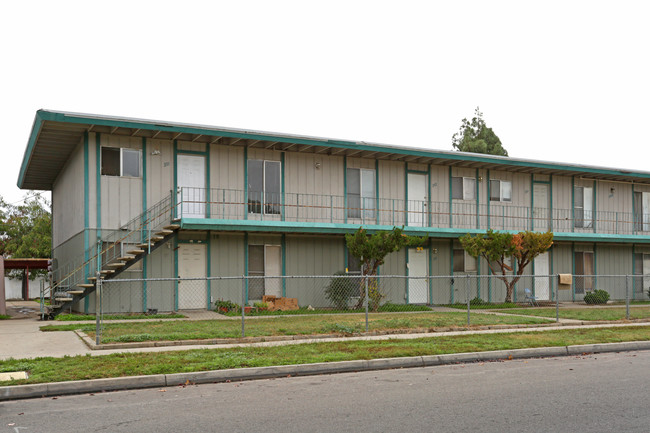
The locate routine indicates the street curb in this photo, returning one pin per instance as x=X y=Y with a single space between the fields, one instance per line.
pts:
x=239 y=374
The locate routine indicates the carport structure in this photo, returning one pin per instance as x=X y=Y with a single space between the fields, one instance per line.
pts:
x=26 y=265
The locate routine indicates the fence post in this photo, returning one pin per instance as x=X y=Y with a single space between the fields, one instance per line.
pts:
x=98 y=312
x=627 y=299
x=42 y=299
x=366 y=302
x=243 y=302
x=467 y=290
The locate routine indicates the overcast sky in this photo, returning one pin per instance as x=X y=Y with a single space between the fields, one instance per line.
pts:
x=561 y=81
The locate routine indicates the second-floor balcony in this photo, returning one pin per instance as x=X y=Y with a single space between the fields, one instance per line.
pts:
x=354 y=210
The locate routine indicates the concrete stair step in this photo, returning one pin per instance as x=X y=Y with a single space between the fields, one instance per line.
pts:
x=107 y=271
x=126 y=258
x=85 y=286
x=144 y=245
x=156 y=238
x=76 y=292
x=63 y=299
x=135 y=252
x=164 y=232
x=172 y=227
x=116 y=265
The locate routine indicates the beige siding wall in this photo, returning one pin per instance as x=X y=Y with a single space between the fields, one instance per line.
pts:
x=227 y=182
x=227 y=257
x=392 y=193
x=160 y=170
x=193 y=147
x=121 y=197
x=68 y=199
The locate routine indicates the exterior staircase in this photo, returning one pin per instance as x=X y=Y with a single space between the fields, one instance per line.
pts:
x=113 y=254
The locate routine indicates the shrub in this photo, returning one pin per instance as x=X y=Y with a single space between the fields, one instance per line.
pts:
x=597 y=297
x=341 y=289
x=225 y=306
x=477 y=301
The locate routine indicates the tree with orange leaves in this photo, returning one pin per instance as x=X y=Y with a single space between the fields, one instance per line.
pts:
x=497 y=247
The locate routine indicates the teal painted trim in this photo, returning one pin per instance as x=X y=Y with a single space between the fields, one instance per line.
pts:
x=86 y=216
x=45 y=115
x=406 y=202
x=429 y=213
x=144 y=209
x=633 y=269
x=451 y=270
x=550 y=258
x=175 y=192
x=98 y=183
x=193 y=152
x=282 y=187
x=532 y=206
x=429 y=270
x=443 y=232
x=407 y=275
x=246 y=266
x=209 y=270
x=489 y=194
x=451 y=222
x=478 y=277
x=595 y=267
x=345 y=188
x=377 y=190
x=478 y=201
x=208 y=182
x=284 y=264
x=594 y=212
x=31 y=143
x=573 y=271
x=573 y=203
x=176 y=245
x=633 y=214
x=246 y=190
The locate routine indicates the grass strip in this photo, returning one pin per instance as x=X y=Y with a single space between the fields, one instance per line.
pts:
x=73 y=317
x=131 y=364
x=485 y=306
x=280 y=326
x=386 y=308
x=586 y=313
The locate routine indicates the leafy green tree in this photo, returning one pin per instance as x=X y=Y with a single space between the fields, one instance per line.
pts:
x=497 y=247
x=372 y=251
x=476 y=137
x=26 y=229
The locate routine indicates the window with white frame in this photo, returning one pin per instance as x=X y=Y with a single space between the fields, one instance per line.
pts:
x=361 y=193
x=583 y=206
x=264 y=186
x=500 y=190
x=463 y=188
x=463 y=262
x=353 y=264
x=641 y=211
x=584 y=265
x=121 y=162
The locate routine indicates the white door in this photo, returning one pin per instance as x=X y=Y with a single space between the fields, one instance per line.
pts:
x=542 y=285
x=418 y=287
x=191 y=186
x=646 y=272
x=272 y=268
x=542 y=209
x=417 y=199
x=192 y=264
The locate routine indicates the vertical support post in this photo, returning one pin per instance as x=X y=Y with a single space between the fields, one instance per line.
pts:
x=627 y=299
x=467 y=294
x=366 y=303
x=98 y=308
x=557 y=303
x=42 y=299
x=243 y=302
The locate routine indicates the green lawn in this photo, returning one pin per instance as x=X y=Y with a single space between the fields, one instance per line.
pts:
x=586 y=313
x=73 y=317
x=386 y=308
x=279 y=325
x=131 y=364
x=485 y=306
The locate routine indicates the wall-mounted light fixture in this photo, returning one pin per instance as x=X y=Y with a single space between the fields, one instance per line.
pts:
x=612 y=189
x=317 y=165
x=480 y=178
x=155 y=152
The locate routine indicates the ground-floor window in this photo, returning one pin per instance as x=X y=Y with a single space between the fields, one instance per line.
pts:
x=463 y=262
x=641 y=273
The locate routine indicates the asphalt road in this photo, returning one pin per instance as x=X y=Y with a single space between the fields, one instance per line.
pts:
x=589 y=393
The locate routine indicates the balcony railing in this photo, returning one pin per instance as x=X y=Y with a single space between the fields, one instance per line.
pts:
x=231 y=204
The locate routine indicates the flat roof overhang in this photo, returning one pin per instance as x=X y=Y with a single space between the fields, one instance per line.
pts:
x=55 y=134
x=332 y=228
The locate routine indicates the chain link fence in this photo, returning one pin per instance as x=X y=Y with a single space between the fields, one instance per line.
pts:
x=222 y=298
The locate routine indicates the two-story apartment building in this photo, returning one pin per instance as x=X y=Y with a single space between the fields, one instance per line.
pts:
x=170 y=199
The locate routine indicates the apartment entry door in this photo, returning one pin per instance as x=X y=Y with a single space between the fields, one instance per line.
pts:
x=264 y=261
x=417 y=199
x=542 y=285
x=190 y=182
x=418 y=288
x=542 y=207
x=192 y=264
